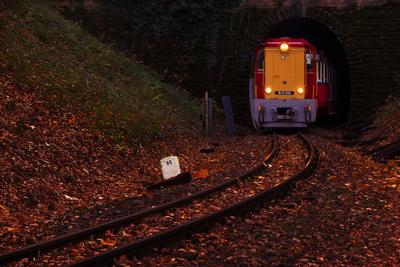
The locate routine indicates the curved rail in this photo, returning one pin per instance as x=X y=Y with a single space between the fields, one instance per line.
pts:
x=46 y=245
x=140 y=247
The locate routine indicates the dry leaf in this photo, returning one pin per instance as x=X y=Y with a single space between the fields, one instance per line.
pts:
x=202 y=173
x=3 y=208
x=109 y=243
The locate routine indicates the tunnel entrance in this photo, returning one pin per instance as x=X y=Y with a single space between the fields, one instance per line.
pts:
x=325 y=40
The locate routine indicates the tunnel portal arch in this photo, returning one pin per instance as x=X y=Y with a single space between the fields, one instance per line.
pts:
x=247 y=28
x=325 y=40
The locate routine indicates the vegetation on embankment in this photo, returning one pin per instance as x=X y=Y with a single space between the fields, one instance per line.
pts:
x=57 y=58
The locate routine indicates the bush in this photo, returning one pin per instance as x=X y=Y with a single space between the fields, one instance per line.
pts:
x=57 y=58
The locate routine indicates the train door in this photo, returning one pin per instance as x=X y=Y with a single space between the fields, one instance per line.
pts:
x=259 y=74
x=285 y=72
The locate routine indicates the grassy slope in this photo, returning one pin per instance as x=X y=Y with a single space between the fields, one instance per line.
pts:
x=58 y=58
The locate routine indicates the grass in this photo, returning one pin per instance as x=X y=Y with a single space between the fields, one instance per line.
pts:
x=60 y=60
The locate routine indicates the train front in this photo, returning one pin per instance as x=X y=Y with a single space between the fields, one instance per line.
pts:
x=283 y=84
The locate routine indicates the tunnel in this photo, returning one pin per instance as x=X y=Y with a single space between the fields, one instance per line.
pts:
x=236 y=70
x=325 y=41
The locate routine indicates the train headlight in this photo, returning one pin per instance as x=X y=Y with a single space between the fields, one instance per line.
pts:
x=268 y=90
x=300 y=90
x=284 y=47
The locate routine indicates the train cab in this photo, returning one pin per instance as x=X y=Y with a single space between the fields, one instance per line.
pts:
x=284 y=88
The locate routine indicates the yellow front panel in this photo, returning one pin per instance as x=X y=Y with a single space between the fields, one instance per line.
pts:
x=284 y=72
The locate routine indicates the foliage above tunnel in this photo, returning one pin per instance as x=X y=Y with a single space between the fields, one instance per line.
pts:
x=56 y=57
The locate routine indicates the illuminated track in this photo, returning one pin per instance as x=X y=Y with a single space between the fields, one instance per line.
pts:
x=38 y=249
x=165 y=238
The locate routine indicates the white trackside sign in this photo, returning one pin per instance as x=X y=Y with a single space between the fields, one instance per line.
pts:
x=170 y=167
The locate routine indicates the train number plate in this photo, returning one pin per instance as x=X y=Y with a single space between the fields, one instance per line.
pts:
x=284 y=92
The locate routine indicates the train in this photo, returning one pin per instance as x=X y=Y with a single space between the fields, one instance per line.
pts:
x=291 y=84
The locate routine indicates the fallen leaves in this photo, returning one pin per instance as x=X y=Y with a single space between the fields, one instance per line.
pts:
x=60 y=175
x=201 y=174
x=50 y=161
x=3 y=208
x=350 y=219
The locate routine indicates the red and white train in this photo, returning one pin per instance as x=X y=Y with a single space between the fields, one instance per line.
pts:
x=291 y=85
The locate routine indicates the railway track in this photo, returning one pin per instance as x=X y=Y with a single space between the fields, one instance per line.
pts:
x=145 y=240
x=35 y=250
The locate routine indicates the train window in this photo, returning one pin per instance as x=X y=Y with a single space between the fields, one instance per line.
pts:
x=309 y=61
x=260 y=60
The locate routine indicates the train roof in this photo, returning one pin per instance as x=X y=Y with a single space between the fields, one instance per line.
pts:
x=293 y=42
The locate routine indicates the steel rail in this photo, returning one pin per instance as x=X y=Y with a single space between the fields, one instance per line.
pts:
x=34 y=249
x=167 y=237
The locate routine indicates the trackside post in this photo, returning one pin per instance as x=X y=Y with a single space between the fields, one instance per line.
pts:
x=228 y=115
